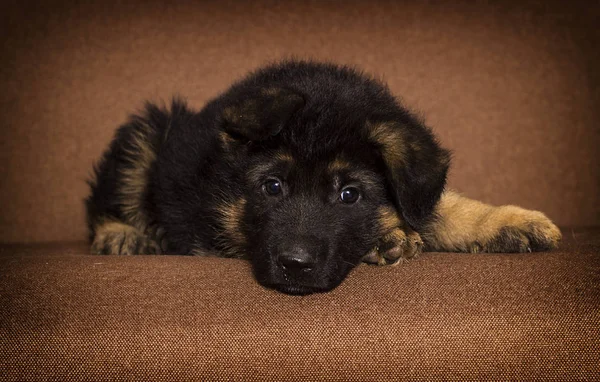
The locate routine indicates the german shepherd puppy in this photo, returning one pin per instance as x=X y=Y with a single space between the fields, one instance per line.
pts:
x=305 y=168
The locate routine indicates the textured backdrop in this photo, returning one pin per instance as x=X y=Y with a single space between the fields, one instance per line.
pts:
x=512 y=88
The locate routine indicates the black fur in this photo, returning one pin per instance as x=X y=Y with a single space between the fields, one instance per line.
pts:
x=304 y=239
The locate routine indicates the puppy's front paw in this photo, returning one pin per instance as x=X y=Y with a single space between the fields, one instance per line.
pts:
x=519 y=230
x=395 y=246
x=115 y=238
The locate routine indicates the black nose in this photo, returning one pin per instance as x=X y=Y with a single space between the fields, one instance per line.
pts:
x=297 y=258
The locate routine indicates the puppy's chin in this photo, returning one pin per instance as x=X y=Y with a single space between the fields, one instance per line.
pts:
x=295 y=286
x=297 y=290
x=296 y=283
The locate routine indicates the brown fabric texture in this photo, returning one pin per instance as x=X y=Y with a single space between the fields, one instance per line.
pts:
x=67 y=315
x=512 y=87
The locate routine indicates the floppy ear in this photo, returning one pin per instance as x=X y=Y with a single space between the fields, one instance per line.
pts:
x=262 y=113
x=416 y=168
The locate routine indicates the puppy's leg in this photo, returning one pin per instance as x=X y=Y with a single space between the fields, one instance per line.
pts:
x=465 y=225
x=398 y=241
x=117 y=238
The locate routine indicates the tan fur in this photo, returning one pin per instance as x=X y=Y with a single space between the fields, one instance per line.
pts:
x=391 y=141
x=257 y=173
x=226 y=140
x=397 y=241
x=283 y=156
x=134 y=179
x=116 y=238
x=273 y=92
x=363 y=176
x=388 y=218
x=339 y=164
x=466 y=225
x=233 y=239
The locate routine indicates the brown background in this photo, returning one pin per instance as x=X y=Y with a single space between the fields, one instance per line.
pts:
x=513 y=88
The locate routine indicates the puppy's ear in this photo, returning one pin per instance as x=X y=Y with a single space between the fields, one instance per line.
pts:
x=416 y=168
x=262 y=113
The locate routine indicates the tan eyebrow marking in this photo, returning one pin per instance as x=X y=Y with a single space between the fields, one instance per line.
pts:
x=363 y=176
x=279 y=157
x=339 y=164
x=283 y=156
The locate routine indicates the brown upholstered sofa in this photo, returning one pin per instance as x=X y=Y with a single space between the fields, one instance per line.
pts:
x=511 y=87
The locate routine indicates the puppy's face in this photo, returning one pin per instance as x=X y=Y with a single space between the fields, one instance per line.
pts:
x=309 y=222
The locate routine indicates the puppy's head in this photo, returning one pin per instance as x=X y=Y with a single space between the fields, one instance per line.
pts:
x=318 y=166
x=309 y=222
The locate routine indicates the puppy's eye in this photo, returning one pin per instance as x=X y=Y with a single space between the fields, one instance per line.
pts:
x=349 y=195
x=272 y=187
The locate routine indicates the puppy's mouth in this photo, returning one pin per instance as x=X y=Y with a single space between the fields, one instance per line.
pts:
x=297 y=290
x=299 y=284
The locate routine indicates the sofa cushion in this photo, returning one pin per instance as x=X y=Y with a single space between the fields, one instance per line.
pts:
x=68 y=315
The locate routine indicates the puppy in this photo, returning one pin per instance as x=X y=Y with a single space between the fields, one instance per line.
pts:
x=307 y=169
